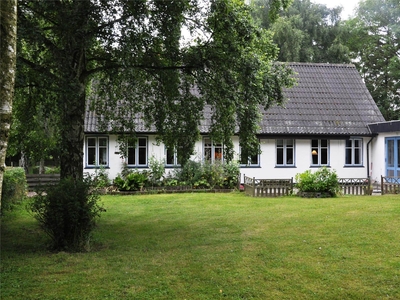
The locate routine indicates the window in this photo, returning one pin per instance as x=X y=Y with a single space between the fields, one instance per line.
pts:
x=354 y=152
x=97 y=151
x=285 y=152
x=137 y=152
x=319 y=152
x=393 y=157
x=252 y=160
x=212 y=151
x=171 y=158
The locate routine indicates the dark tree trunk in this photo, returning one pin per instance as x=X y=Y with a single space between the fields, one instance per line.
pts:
x=71 y=159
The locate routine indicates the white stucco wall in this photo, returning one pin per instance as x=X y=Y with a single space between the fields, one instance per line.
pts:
x=267 y=168
x=378 y=155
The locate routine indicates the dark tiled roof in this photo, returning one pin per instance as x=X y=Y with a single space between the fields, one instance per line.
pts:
x=329 y=99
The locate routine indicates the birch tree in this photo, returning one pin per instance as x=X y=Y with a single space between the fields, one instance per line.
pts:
x=8 y=38
x=138 y=53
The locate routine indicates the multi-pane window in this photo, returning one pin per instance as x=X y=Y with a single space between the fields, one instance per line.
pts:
x=285 y=152
x=251 y=160
x=354 y=152
x=171 y=158
x=319 y=152
x=137 y=152
x=97 y=151
x=393 y=157
x=212 y=151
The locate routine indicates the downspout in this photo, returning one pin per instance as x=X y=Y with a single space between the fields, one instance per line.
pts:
x=368 y=155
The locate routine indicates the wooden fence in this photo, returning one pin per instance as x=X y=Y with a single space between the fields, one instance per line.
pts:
x=267 y=187
x=355 y=186
x=282 y=187
x=390 y=185
x=36 y=180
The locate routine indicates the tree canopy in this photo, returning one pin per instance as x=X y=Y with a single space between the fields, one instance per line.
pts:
x=136 y=54
x=373 y=38
x=305 y=32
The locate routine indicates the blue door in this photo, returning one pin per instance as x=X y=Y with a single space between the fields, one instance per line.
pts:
x=393 y=157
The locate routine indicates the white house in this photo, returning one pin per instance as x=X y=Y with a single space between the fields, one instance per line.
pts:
x=385 y=158
x=324 y=123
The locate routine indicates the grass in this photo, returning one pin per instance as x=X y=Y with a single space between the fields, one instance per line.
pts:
x=214 y=246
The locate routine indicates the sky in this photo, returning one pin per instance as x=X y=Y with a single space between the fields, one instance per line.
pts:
x=348 y=6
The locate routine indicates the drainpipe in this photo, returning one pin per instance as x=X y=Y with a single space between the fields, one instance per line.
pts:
x=368 y=156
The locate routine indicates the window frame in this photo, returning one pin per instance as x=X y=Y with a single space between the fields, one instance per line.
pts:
x=353 y=148
x=175 y=159
x=136 y=148
x=319 y=149
x=213 y=146
x=97 y=147
x=285 y=149
x=249 y=160
x=392 y=157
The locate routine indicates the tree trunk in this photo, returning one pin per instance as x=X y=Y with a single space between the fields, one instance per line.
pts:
x=8 y=55
x=71 y=158
x=24 y=162
x=41 y=166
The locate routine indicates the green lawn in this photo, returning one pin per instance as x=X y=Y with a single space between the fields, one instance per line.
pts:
x=214 y=246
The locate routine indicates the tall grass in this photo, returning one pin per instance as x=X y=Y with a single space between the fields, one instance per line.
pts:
x=214 y=246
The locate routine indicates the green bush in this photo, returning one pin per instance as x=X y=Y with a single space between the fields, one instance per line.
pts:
x=100 y=179
x=231 y=175
x=67 y=212
x=209 y=175
x=157 y=170
x=133 y=181
x=190 y=173
x=14 y=188
x=52 y=170
x=322 y=181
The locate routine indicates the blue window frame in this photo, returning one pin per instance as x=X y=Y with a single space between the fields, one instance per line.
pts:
x=171 y=158
x=393 y=157
x=285 y=153
x=136 y=155
x=354 y=154
x=319 y=153
x=212 y=151
x=96 y=151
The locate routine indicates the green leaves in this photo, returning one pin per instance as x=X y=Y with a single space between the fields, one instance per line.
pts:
x=373 y=40
x=321 y=181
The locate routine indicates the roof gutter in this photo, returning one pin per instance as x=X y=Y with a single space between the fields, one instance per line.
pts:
x=369 y=142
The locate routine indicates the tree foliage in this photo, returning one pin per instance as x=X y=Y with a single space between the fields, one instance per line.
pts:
x=373 y=37
x=306 y=32
x=136 y=53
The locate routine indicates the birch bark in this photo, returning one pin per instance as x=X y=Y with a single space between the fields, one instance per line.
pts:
x=8 y=38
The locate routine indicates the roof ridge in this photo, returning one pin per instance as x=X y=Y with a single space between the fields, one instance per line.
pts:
x=320 y=65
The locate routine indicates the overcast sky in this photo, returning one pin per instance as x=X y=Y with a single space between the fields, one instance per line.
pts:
x=348 y=6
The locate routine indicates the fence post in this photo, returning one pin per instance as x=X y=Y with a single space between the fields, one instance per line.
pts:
x=254 y=186
x=382 y=185
x=291 y=186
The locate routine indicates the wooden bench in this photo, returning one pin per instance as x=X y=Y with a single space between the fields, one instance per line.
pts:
x=36 y=180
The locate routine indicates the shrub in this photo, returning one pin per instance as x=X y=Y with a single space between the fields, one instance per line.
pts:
x=231 y=175
x=190 y=173
x=100 y=179
x=52 y=170
x=322 y=181
x=157 y=170
x=133 y=181
x=14 y=188
x=67 y=213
